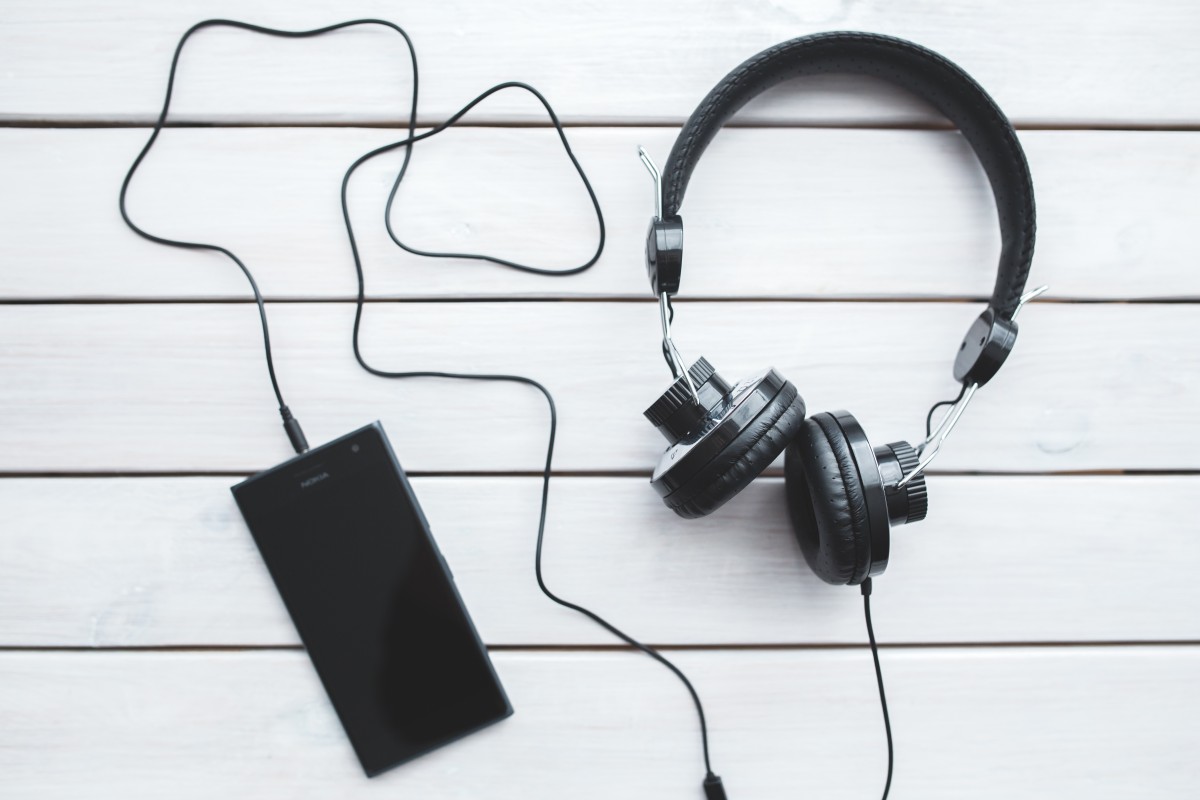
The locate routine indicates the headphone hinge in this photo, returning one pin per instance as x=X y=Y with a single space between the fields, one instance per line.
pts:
x=664 y=254
x=984 y=349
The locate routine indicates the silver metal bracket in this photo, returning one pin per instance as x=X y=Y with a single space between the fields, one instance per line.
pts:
x=928 y=449
x=1025 y=298
x=674 y=359
x=657 y=176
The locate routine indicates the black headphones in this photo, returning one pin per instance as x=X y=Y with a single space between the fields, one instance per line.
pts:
x=843 y=494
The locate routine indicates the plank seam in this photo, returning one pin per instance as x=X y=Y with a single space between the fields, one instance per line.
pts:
x=591 y=299
x=620 y=648
x=64 y=123
x=642 y=474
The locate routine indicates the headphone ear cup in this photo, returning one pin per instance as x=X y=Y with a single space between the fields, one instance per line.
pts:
x=757 y=445
x=827 y=502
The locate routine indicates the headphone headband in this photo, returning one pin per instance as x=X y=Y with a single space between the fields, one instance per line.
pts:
x=921 y=71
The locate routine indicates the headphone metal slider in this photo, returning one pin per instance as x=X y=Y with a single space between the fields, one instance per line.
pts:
x=664 y=241
x=928 y=449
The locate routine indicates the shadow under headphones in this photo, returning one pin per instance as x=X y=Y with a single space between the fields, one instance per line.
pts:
x=844 y=495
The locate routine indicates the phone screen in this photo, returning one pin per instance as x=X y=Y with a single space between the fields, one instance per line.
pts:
x=372 y=598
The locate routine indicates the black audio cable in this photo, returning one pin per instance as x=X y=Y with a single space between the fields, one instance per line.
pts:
x=933 y=409
x=887 y=720
x=866 y=595
x=712 y=783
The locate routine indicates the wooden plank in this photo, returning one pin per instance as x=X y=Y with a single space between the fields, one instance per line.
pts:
x=168 y=561
x=1062 y=63
x=771 y=213
x=1101 y=723
x=183 y=388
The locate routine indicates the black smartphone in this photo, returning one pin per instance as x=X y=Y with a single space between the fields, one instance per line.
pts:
x=372 y=598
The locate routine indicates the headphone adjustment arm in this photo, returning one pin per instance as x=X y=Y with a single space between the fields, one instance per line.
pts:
x=664 y=241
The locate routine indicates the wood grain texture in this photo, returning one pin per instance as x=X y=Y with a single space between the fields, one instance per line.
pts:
x=168 y=561
x=1078 y=63
x=183 y=387
x=771 y=213
x=1101 y=723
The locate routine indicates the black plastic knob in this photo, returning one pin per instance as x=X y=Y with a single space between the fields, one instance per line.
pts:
x=676 y=414
x=911 y=503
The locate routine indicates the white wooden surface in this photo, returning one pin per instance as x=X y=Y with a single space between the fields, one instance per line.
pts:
x=1078 y=722
x=1040 y=629
x=1074 y=397
x=1060 y=64
x=166 y=561
x=860 y=227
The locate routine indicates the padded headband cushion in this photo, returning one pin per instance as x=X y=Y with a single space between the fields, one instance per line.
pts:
x=743 y=459
x=827 y=504
x=923 y=72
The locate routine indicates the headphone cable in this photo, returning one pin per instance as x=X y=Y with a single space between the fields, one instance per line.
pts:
x=712 y=783
x=887 y=721
x=933 y=409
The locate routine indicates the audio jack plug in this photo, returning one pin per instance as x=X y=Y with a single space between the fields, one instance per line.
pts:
x=713 y=788
x=295 y=433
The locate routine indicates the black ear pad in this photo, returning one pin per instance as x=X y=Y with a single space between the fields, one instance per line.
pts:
x=827 y=502
x=758 y=444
